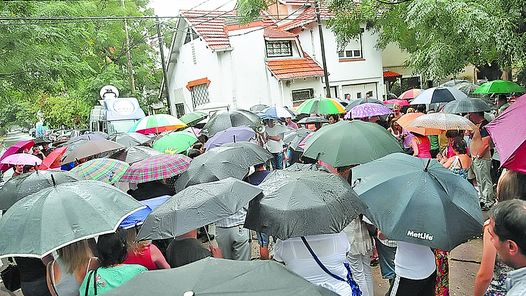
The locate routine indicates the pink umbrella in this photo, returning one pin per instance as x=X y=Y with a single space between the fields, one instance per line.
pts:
x=508 y=132
x=402 y=103
x=18 y=147
x=367 y=110
x=21 y=159
x=410 y=94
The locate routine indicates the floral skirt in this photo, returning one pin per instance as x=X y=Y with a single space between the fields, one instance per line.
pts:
x=442 y=281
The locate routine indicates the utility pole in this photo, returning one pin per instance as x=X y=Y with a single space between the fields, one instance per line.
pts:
x=129 y=64
x=322 y=43
x=165 y=76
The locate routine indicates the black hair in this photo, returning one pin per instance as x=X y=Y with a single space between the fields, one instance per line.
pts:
x=452 y=134
x=198 y=145
x=421 y=108
x=259 y=166
x=333 y=116
x=112 y=248
x=510 y=222
x=202 y=138
x=27 y=168
x=460 y=146
x=193 y=153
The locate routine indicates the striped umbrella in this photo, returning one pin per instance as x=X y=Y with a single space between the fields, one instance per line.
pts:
x=157 y=167
x=176 y=142
x=158 y=123
x=102 y=169
x=322 y=106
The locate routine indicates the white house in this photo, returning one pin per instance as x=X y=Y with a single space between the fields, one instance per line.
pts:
x=215 y=63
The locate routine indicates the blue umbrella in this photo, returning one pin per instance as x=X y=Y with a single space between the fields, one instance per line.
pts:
x=138 y=217
x=230 y=135
x=275 y=112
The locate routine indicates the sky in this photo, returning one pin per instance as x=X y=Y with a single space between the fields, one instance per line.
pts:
x=172 y=7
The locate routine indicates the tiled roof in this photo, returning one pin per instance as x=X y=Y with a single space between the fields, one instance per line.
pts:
x=210 y=25
x=294 y=68
x=273 y=32
x=306 y=17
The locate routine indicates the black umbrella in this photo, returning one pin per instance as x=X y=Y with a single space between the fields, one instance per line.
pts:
x=313 y=119
x=222 y=120
x=354 y=103
x=251 y=150
x=197 y=206
x=135 y=154
x=26 y=184
x=466 y=106
x=258 y=108
x=131 y=139
x=212 y=276
x=418 y=201
x=301 y=203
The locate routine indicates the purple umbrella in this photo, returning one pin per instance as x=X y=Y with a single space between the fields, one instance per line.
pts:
x=230 y=135
x=21 y=159
x=508 y=132
x=15 y=149
x=367 y=110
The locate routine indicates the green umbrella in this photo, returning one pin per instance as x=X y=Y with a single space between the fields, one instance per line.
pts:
x=321 y=106
x=26 y=184
x=212 y=276
x=176 y=142
x=193 y=118
x=197 y=206
x=350 y=142
x=499 y=87
x=60 y=215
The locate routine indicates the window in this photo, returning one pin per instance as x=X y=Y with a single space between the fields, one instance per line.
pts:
x=179 y=109
x=301 y=95
x=199 y=95
x=353 y=49
x=190 y=35
x=279 y=48
x=359 y=95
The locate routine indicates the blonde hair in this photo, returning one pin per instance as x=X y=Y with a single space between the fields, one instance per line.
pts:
x=75 y=255
x=511 y=186
x=134 y=246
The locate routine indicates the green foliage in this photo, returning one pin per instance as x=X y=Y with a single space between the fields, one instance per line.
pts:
x=58 y=67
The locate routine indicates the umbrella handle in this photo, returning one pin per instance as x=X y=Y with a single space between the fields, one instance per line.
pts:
x=208 y=237
x=427 y=165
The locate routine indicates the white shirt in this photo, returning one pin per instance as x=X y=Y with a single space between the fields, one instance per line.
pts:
x=275 y=146
x=331 y=249
x=413 y=261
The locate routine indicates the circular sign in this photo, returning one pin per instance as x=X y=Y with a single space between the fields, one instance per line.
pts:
x=123 y=106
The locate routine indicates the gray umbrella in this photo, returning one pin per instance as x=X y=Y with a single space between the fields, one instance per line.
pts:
x=313 y=119
x=135 y=154
x=418 y=201
x=295 y=138
x=131 y=139
x=251 y=150
x=222 y=120
x=197 y=206
x=301 y=203
x=466 y=106
x=212 y=276
x=354 y=103
x=26 y=184
x=90 y=148
x=217 y=164
x=258 y=108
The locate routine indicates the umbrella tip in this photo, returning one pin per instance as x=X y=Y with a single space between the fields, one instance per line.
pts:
x=53 y=180
x=427 y=165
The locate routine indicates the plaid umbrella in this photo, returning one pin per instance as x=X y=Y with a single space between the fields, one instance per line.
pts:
x=157 y=167
x=158 y=123
x=102 y=169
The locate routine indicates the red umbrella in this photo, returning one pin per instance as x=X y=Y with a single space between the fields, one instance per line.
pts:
x=508 y=132
x=52 y=161
x=410 y=94
x=16 y=148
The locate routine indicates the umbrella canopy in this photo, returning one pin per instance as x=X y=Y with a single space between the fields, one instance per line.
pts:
x=222 y=120
x=348 y=143
x=410 y=94
x=313 y=119
x=357 y=102
x=402 y=103
x=21 y=186
x=21 y=159
x=321 y=106
x=301 y=203
x=253 y=152
x=193 y=118
x=426 y=203
x=508 y=132
x=276 y=112
x=467 y=87
x=175 y=142
x=294 y=138
x=42 y=141
x=52 y=161
x=130 y=139
x=499 y=87
x=406 y=120
x=197 y=206
x=16 y=148
x=102 y=169
x=156 y=167
x=443 y=122
x=154 y=124
x=439 y=95
x=135 y=154
x=60 y=215
x=230 y=135
x=466 y=106
x=89 y=137
x=368 y=110
x=88 y=149
x=138 y=217
x=211 y=276
x=258 y=108
x=218 y=164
